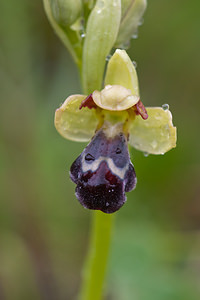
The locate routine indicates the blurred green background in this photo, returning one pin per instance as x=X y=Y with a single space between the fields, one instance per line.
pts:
x=44 y=231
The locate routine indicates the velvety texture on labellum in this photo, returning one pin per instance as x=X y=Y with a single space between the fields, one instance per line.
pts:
x=103 y=172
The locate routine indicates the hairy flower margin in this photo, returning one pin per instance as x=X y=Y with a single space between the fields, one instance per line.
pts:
x=112 y=118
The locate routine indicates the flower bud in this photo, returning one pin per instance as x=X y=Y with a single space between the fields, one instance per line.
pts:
x=66 y=12
x=101 y=33
x=132 y=12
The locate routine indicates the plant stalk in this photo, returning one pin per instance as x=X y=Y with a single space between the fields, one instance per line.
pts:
x=96 y=261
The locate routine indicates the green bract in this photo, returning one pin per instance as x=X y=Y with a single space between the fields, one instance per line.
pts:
x=132 y=12
x=156 y=135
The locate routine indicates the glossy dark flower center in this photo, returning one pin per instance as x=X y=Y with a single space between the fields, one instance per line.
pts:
x=103 y=173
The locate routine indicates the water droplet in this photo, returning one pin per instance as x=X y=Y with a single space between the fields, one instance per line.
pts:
x=134 y=36
x=146 y=154
x=89 y=157
x=165 y=106
x=100 y=6
x=134 y=63
x=108 y=57
x=125 y=45
x=83 y=35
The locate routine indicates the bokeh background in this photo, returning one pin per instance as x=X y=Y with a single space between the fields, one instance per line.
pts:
x=44 y=231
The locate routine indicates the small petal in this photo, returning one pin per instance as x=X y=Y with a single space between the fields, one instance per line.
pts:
x=75 y=124
x=115 y=98
x=141 y=110
x=156 y=135
x=121 y=71
x=88 y=102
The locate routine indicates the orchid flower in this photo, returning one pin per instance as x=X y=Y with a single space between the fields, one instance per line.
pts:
x=112 y=118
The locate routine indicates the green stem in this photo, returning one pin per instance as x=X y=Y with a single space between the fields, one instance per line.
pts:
x=96 y=261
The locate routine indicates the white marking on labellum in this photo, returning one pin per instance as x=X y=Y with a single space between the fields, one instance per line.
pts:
x=120 y=172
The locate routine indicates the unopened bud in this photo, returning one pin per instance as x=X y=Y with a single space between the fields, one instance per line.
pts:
x=101 y=33
x=66 y=12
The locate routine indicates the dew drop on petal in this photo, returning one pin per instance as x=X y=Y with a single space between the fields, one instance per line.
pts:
x=83 y=35
x=125 y=45
x=134 y=36
x=134 y=63
x=165 y=106
x=100 y=6
x=108 y=57
x=146 y=154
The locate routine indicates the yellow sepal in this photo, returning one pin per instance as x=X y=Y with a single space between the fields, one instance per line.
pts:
x=75 y=124
x=156 y=135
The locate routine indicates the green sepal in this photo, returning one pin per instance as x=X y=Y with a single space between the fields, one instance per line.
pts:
x=121 y=71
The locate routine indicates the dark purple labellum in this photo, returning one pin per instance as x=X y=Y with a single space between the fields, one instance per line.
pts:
x=103 y=173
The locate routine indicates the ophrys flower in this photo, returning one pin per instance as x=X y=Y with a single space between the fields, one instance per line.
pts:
x=112 y=118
